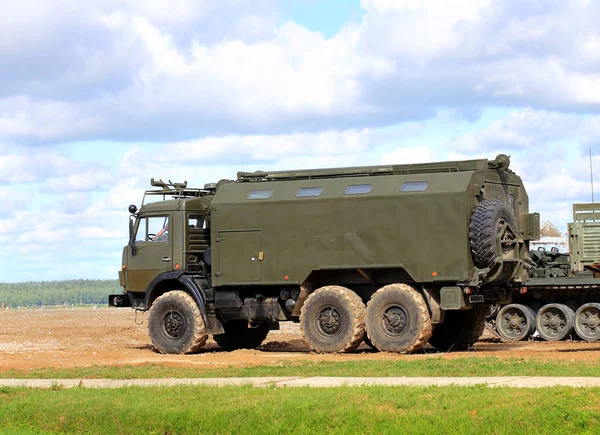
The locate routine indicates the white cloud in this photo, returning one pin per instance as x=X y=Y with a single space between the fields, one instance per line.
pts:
x=125 y=69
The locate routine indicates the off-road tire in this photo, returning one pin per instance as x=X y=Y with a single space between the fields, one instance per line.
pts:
x=175 y=324
x=460 y=329
x=332 y=320
x=239 y=336
x=483 y=230
x=398 y=319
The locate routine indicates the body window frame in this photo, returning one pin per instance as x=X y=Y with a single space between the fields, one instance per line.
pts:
x=358 y=189
x=254 y=195
x=414 y=186
x=309 y=192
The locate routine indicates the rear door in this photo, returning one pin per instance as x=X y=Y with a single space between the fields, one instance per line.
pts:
x=240 y=256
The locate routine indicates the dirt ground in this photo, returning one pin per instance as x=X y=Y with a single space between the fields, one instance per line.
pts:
x=66 y=337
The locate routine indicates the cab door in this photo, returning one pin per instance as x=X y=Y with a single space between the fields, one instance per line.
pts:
x=152 y=253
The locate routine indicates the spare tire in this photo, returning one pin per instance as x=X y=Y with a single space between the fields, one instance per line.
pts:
x=488 y=218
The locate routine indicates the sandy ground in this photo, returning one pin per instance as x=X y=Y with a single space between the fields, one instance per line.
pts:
x=66 y=337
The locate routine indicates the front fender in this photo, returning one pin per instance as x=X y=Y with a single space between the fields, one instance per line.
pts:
x=190 y=285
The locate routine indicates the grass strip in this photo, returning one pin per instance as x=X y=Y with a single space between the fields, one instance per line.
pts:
x=488 y=366
x=301 y=410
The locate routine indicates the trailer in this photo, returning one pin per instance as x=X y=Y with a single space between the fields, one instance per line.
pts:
x=561 y=298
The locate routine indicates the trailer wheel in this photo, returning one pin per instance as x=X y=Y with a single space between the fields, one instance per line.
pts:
x=555 y=322
x=491 y=219
x=587 y=322
x=239 y=336
x=333 y=319
x=515 y=322
x=460 y=329
x=175 y=324
x=398 y=319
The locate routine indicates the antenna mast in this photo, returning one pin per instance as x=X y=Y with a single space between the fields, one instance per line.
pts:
x=591 y=175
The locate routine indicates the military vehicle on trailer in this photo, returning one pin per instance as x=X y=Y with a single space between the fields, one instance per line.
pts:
x=396 y=255
x=561 y=298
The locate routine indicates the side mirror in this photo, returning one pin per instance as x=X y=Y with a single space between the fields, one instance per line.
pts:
x=131 y=235
x=132 y=209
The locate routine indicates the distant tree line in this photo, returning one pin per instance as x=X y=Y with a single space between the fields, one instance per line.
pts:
x=71 y=292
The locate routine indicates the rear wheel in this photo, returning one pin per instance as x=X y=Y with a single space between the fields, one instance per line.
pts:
x=587 y=322
x=460 y=329
x=398 y=319
x=555 y=322
x=175 y=324
x=333 y=319
x=239 y=336
x=515 y=322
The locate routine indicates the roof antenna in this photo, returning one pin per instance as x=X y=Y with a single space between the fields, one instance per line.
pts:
x=591 y=175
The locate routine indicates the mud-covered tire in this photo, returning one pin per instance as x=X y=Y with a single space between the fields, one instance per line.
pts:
x=175 y=324
x=460 y=329
x=239 y=336
x=486 y=218
x=398 y=319
x=332 y=320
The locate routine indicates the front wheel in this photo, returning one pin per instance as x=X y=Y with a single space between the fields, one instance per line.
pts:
x=175 y=324
x=398 y=319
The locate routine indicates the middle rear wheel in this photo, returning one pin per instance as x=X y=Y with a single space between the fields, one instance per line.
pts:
x=398 y=319
x=333 y=319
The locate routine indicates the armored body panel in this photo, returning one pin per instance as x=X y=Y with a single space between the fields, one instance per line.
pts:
x=279 y=227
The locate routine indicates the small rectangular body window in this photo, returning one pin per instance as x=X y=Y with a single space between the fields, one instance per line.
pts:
x=309 y=191
x=197 y=222
x=414 y=186
x=260 y=194
x=358 y=189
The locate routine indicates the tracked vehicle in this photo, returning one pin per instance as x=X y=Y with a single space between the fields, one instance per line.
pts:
x=397 y=255
x=561 y=298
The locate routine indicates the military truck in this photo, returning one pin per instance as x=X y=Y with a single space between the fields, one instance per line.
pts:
x=561 y=298
x=396 y=255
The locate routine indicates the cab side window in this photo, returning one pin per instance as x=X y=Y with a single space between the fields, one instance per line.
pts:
x=141 y=234
x=153 y=229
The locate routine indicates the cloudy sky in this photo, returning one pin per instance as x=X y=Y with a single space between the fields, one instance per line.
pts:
x=98 y=96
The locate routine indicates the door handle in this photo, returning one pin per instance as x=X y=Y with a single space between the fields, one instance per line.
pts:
x=166 y=259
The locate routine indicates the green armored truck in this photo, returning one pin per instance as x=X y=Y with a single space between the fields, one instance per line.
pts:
x=397 y=256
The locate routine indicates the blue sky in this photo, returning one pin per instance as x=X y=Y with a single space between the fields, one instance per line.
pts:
x=98 y=97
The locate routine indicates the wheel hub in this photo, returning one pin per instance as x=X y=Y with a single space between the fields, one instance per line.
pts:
x=173 y=324
x=395 y=320
x=329 y=320
x=592 y=321
x=514 y=322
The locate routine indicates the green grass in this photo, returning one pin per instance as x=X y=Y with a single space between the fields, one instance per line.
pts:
x=301 y=410
x=436 y=366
